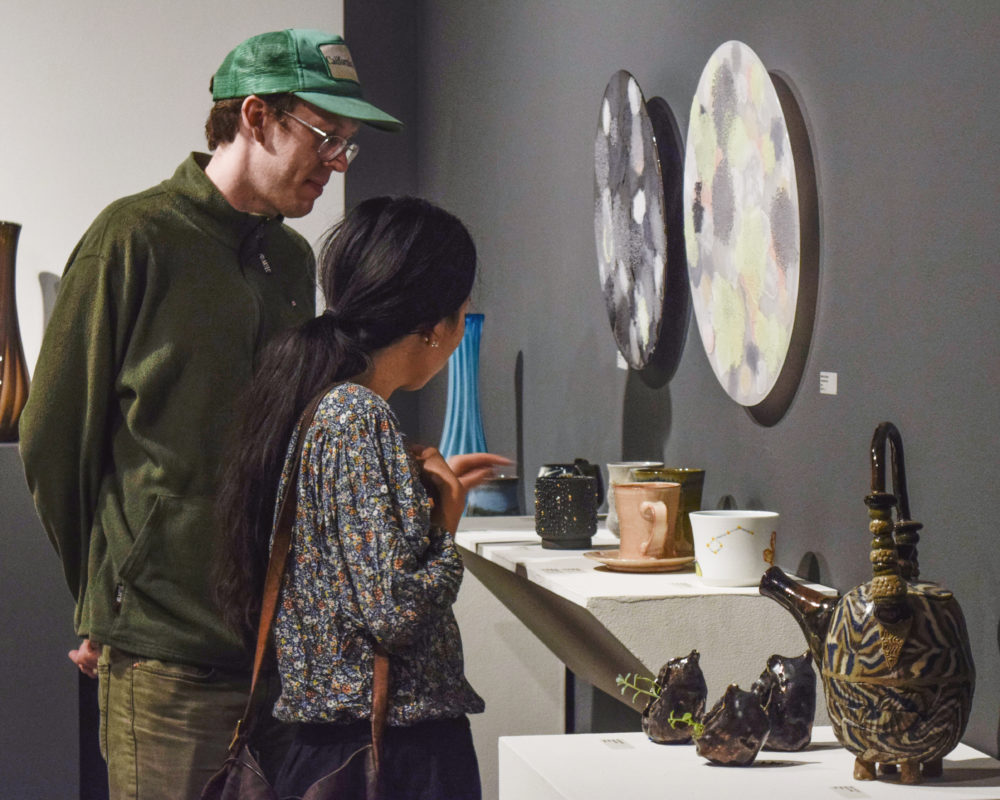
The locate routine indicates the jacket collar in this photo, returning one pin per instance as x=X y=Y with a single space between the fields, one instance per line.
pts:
x=238 y=229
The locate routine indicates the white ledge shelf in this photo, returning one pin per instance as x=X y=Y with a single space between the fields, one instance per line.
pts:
x=628 y=765
x=602 y=623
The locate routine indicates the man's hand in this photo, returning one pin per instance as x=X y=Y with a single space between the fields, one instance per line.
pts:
x=85 y=657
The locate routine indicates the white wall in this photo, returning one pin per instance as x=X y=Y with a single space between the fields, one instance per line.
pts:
x=105 y=98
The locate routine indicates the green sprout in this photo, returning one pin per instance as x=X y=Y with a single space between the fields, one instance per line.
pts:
x=648 y=687
x=696 y=727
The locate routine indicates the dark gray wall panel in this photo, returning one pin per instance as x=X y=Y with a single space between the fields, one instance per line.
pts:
x=38 y=740
x=900 y=103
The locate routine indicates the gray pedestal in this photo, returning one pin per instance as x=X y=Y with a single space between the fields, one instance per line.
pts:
x=39 y=749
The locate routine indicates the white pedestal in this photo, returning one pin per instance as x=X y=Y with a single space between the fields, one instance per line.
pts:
x=603 y=623
x=628 y=766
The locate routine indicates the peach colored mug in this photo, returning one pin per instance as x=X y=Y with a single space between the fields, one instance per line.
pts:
x=647 y=520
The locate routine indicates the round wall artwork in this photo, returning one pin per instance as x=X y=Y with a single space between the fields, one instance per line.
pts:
x=741 y=223
x=629 y=223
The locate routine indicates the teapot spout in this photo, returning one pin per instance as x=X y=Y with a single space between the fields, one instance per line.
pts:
x=811 y=609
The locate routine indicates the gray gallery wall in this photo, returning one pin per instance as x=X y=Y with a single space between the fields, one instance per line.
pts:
x=901 y=110
x=382 y=35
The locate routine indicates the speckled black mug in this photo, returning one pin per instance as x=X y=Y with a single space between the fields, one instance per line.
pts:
x=566 y=511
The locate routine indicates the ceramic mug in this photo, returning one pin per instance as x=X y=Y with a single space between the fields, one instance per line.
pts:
x=734 y=547
x=620 y=472
x=580 y=466
x=495 y=497
x=647 y=520
x=692 y=482
x=566 y=511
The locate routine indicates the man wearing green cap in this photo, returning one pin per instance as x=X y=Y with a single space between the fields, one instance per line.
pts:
x=162 y=309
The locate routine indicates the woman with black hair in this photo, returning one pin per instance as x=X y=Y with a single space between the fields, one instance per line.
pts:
x=373 y=563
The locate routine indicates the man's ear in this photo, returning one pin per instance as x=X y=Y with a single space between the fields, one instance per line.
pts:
x=253 y=113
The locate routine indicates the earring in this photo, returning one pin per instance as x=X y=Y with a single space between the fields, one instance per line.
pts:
x=431 y=342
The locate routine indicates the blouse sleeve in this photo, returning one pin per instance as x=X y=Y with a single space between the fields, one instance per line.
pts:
x=401 y=572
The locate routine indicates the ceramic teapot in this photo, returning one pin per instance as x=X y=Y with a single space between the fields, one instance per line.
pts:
x=893 y=653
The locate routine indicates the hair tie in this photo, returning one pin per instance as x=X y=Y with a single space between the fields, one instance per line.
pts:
x=349 y=328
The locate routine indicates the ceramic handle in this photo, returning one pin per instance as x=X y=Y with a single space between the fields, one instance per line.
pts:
x=654 y=511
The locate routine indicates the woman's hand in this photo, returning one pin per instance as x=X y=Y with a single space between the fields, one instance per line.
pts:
x=444 y=487
x=449 y=481
x=472 y=469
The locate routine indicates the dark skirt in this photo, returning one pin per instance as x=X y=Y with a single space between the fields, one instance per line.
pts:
x=432 y=760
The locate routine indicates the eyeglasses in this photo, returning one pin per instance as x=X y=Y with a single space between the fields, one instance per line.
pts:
x=332 y=146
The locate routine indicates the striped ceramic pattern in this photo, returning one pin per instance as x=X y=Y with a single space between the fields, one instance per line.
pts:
x=915 y=711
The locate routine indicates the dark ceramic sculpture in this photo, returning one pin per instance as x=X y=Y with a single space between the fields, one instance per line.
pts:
x=894 y=653
x=791 y=683
x=682 y=692
x=734 y=730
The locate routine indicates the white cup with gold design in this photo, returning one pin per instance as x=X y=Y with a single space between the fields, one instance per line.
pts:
x=734 y=547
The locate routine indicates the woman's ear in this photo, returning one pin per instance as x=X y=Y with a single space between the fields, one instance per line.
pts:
x=443 y=328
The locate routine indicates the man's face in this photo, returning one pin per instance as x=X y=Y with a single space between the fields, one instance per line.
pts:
x=288 y=175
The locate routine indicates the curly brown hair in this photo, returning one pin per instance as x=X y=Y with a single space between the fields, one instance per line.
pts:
x=224 y=118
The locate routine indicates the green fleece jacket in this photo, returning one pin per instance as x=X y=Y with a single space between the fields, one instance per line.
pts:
x=161 y=313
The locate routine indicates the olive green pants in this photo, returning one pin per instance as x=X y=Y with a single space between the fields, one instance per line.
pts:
x=165 y=727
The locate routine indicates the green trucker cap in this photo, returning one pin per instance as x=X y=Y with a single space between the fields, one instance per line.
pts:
x=313 y=65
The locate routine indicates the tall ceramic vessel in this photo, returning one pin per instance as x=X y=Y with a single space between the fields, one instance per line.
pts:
x=13 y=369
x=463 y=421
x=463 y=425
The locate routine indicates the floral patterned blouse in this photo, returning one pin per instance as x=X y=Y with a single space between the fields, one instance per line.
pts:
x=366 y=565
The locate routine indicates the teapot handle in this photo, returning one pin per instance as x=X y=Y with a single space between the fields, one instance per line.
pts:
x=892 y=610
x=887 y=432
x=906 y=529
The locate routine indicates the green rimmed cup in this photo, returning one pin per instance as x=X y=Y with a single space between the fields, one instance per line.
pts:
x=692 y=482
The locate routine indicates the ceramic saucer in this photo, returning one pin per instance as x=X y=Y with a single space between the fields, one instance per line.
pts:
x=611 y=560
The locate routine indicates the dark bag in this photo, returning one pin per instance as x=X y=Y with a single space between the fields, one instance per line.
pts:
x=241 y=777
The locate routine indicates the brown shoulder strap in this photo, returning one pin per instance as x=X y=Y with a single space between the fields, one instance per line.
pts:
x=275 y=569
x=380 y=702
x=280 y=546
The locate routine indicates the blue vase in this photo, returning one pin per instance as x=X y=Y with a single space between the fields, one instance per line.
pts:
x=463 y=421
x=463 y=425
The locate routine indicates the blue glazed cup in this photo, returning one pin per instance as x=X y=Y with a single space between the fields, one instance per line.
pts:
x=497 y=497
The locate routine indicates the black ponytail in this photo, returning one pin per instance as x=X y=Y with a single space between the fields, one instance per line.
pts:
x=392 y=267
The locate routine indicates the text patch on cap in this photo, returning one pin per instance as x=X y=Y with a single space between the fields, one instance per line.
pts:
x=338 y=60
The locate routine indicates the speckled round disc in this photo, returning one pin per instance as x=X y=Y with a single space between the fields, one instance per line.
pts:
x=629 y=222
x=741 y=223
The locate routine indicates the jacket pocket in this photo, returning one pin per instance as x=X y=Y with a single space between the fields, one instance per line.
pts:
x=174 y=547
x=137 y=552
x=165 y=586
